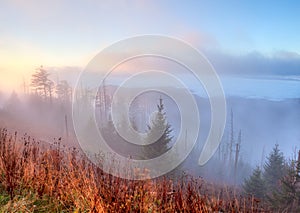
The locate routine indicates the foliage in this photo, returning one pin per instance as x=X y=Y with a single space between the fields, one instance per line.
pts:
x=255 y=185
x=159 y=132
x=41 y=83
x=287 y=198
x=50 y=178
x=63 y=91
x=278 y=185
x=13 y=103
x=274 y=168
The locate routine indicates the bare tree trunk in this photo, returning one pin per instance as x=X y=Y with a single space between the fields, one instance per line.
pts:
x=262 y=158
x=236 y=162
x=45 y=92
x=231 y=138
x=50 y=94
x=67 y=129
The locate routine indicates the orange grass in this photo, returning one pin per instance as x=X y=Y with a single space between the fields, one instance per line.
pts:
x=41 y=178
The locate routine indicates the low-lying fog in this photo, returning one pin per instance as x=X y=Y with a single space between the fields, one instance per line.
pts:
x=264 y=111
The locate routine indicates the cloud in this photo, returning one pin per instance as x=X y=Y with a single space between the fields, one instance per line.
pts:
x=286 y=55
x=280 y=63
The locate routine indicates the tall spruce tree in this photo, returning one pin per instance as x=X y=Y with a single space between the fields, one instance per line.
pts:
x=159 y=126
x=287 y=199
x=279 y=184
x=275 y=168
x=255 y=185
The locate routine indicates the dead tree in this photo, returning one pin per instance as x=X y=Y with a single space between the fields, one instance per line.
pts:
x=237 y=152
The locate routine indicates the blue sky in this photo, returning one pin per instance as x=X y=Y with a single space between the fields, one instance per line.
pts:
x=69 y=33
x=242 y=26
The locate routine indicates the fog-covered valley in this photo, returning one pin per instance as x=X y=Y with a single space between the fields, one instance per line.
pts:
x=261 y=123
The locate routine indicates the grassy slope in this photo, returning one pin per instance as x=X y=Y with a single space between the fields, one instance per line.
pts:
x=52 y=179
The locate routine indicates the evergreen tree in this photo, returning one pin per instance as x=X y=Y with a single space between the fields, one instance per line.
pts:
x=275 y=168
x=298 y=171
x=287 y=199
x=159 y=126
x=41 y=83
x=279 y=184
x=13 y=104
x=255 y=185
x=63 y=91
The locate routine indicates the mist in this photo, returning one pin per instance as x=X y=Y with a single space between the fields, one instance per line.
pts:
x=262 y=122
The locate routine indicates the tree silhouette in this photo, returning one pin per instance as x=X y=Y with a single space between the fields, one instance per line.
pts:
x=275 y=168
x=255 y=185
x=13 y=103
x=160 y=129
x=63 y=91
x=42 y=85
x=279 y=184
x=286 y=198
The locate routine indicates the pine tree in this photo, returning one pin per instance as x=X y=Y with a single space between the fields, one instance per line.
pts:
x=13 y=103
x=287 y=198
x=279 y=184
x=41 y=83
x=298 y=171
x=159 y=127
x=275 y=168
x=255 y=185
x=63 y=91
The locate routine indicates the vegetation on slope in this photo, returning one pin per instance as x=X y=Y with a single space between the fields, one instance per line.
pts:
x=39 y=178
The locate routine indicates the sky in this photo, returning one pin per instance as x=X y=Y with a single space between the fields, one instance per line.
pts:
x=264 y=35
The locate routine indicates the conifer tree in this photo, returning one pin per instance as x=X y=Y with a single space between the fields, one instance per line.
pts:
x=13 y=103
x=275 y=168
x=63 y=91
x=255 y=185
x=287 y=198
x=159 y=126
x=279 y=184
x=41 y=83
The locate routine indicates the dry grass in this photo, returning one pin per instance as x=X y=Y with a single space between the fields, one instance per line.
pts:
x=34 y=178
